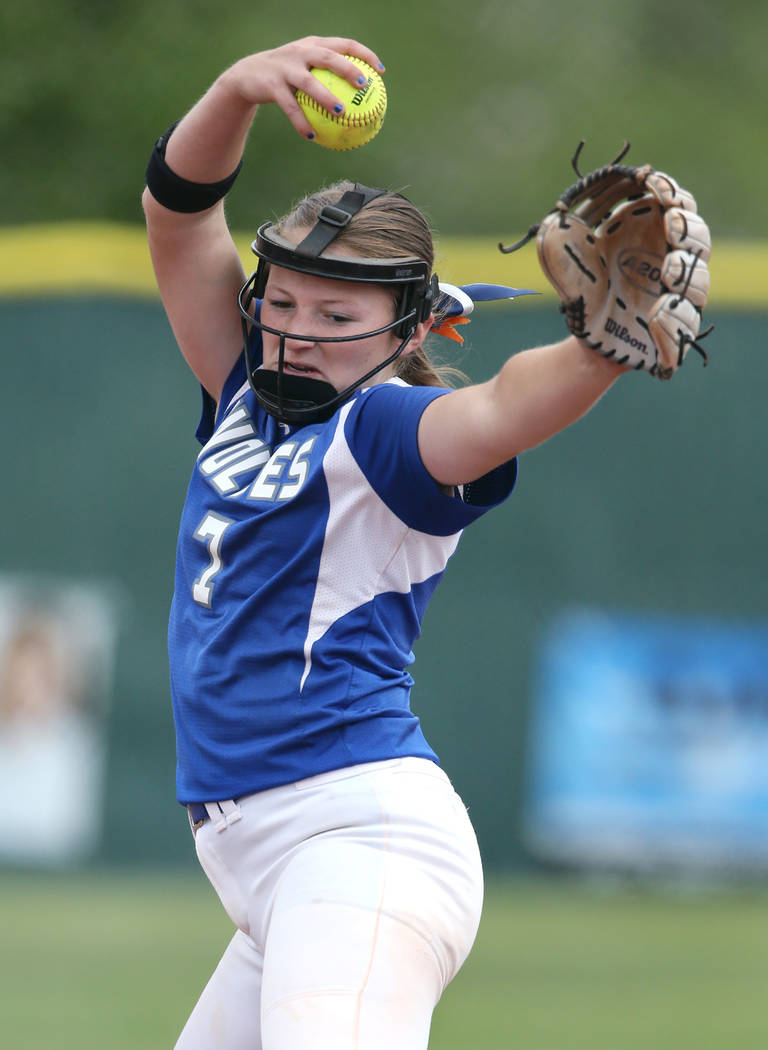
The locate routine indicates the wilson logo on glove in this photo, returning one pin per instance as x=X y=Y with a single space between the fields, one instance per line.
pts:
x=623 y=333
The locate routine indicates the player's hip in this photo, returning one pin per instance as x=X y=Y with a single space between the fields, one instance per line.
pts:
x=393 y=831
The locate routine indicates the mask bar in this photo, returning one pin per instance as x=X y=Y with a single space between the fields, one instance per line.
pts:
x=313 y=400
x=298 y=399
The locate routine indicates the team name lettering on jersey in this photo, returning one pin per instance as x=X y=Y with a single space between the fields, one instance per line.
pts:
x=285 y=473
x=236 y=460
x=223 y=467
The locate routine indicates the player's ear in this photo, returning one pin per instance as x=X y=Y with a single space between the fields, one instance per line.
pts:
x=420 y=334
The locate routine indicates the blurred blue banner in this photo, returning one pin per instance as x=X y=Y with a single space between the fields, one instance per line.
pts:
x=649 y=744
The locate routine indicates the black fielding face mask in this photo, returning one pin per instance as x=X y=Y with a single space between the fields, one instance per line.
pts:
x=301 y=399
x=298 y=400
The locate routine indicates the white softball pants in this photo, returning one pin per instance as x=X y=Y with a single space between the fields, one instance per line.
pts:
x=356 y=895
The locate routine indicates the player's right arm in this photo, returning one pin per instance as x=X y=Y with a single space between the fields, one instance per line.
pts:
x=196 y=263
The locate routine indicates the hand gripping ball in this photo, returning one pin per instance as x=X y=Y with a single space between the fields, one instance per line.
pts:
x=364 y=108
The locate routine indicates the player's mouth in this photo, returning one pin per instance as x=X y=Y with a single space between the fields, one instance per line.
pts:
x=299 y=370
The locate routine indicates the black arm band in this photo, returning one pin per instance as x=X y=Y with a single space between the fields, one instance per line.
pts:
x=176 y=193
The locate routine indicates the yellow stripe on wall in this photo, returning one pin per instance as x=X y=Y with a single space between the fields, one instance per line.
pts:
x=83 y=258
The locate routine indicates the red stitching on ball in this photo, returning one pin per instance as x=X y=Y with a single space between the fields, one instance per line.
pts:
x=346 y=120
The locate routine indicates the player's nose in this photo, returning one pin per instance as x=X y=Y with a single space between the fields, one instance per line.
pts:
x=298 y=343
x=301 y=328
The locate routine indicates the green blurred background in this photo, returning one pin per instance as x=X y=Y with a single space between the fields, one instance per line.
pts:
x=654 y=503
x=487 y=101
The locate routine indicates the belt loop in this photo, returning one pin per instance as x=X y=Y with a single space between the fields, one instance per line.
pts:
x=223 y=814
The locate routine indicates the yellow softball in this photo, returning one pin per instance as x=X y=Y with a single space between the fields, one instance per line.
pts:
x=364 y=108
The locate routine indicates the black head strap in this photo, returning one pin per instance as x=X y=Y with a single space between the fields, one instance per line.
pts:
x=334 y=217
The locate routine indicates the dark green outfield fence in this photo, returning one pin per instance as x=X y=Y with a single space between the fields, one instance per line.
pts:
x=655 y=502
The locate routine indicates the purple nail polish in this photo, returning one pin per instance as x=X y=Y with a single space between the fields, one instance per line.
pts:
x=338 y=108
x=310 y=134
x=361 y=80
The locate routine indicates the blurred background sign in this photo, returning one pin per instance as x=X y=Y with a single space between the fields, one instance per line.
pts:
x=649 y=743
x=56 y=654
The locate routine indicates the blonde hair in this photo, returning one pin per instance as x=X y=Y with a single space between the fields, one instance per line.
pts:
x=388 y=227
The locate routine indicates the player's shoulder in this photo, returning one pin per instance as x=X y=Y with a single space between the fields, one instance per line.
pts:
x=394 y=396
x=384 y=419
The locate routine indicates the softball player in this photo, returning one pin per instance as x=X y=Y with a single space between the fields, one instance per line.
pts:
x=336 y=474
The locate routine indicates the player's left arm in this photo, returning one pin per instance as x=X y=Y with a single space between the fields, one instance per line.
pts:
x=536 y=394
x=626 y=251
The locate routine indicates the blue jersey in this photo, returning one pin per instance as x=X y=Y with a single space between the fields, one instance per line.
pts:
x=306 y=559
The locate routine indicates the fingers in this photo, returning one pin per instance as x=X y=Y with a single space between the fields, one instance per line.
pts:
x=335 y=50
x=315 y=89
x=335 y=60
x=276 y=76
x=286 y=99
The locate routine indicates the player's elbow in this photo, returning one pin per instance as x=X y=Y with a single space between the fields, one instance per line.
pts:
x=151 y=208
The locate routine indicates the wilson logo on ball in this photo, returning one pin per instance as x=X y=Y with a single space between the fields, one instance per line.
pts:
x=359 y=96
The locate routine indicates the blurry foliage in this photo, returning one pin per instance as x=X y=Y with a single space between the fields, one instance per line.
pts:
x=487 y=102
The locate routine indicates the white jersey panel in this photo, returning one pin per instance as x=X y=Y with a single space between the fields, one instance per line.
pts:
x=367 y=550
